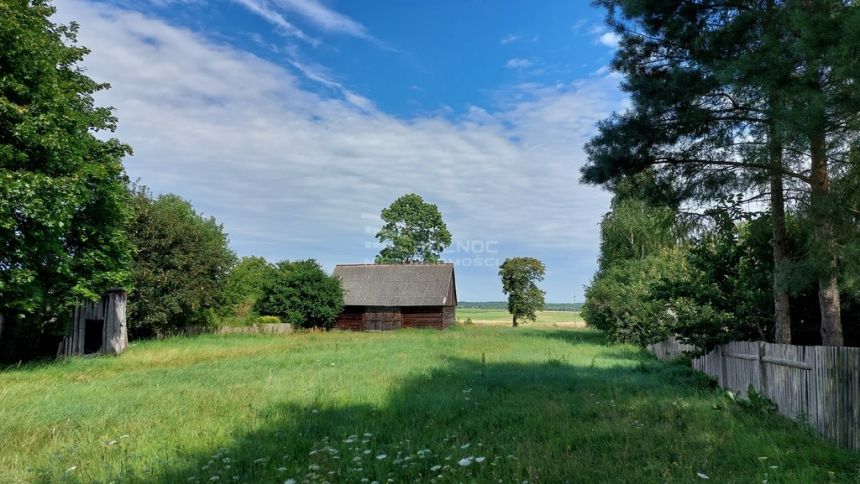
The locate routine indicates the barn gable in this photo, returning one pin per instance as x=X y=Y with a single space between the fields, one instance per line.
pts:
x=391 y=296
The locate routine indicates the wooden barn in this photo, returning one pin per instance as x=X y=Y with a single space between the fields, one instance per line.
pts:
x=382 y=297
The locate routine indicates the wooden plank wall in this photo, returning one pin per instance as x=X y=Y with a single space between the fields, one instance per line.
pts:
x=110 y=309
x=423 y=317
x=818 y=384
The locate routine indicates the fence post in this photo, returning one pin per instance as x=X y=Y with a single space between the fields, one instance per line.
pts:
x=723 y=376
x=762 y=372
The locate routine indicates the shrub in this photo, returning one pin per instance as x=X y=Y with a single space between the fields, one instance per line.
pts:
x=302 y=294
x=268 y=320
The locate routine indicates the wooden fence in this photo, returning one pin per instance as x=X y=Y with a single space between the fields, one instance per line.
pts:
x=816 y=384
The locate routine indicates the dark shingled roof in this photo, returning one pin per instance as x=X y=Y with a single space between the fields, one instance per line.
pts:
x=396 y=284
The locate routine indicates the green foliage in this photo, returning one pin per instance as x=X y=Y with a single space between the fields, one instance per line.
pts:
x=635 y=229
x=414 y=230
x=243 y=286
x=267 y=320
x=624 y=300
x=302 y=294
x=180 y=266
x=63 y=202
x=520 y=276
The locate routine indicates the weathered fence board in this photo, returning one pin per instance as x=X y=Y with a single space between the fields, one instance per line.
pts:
x=816 y=384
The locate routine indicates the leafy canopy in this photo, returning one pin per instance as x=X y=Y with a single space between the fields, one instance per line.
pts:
x=63 y=202
x=520 y=276
x=302 y=294
x=415 y=232
x=181 y=263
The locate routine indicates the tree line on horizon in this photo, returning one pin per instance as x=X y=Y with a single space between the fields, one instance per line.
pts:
x=734 y=173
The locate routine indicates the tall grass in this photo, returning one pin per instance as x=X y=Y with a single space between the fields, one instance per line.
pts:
x=468 y=404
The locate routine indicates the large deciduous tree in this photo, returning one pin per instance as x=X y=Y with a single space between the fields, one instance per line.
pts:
x=179 y=268
x=414 y=231
x=63 y=199
x=520 y=276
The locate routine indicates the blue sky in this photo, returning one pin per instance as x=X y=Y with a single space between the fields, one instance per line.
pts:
x=294 y=122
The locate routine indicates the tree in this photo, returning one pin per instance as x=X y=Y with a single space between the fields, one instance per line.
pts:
x=243 y=287
x=729 y=97
x=415 y=230
x=520 y=276
x=179 y=268
x=63 y=202
x=302 y=294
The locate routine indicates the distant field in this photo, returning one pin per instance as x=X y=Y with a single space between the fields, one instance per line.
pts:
x=502 y=317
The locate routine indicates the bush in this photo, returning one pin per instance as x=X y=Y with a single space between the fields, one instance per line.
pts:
x=623 y=301
x=302 y=294
x=179 y=268
x=267 y=320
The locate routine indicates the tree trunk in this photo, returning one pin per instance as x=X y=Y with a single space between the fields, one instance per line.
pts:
x=515 y=321
x=828 y=283
x=781 y=305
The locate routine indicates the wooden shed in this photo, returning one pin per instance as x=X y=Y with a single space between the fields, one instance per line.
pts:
x=382 y=297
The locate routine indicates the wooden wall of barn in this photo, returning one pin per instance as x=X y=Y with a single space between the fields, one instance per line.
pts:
x=359 y=318
x=423 y=317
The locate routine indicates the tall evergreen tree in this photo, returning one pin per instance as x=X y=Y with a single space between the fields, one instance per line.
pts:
x=721 y=92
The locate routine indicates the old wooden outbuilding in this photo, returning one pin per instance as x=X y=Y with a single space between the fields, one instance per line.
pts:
x=98 y=327
x=381 y=297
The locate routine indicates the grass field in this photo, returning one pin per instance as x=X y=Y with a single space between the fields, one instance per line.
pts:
x=546 y=405
x=561 y=319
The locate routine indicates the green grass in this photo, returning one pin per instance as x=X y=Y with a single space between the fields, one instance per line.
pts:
x=501 y=316
x=548 y=405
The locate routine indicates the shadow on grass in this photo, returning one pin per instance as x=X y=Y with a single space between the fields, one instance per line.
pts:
x=548 y=422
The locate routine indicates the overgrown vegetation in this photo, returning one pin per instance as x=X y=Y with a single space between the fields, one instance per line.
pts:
x=543 y=406
x=727 y=172
x=302 y=294
x=181 y=262
x=63 y=203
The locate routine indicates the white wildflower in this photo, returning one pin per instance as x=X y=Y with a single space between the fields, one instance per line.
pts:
x=464 y=462
x=480 y=459
x=702 y=476
x=290 y=481
x=465 y=446
x=381 y=457
x=282 y=469
x=435 y=468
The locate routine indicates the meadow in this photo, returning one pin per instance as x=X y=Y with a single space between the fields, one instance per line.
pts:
x=561 y=319
x=469 y=404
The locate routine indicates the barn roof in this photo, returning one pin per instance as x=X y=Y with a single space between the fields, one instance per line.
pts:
x=397 y=284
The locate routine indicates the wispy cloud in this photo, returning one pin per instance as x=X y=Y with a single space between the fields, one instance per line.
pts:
x=518 y=63
x=509 y=39
x=324 y=17
x=262 y=9
x=290 y=171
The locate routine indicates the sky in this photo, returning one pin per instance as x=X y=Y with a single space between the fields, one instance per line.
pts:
x=295 y=122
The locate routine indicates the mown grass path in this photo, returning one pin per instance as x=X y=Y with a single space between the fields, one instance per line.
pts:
x=546 y=406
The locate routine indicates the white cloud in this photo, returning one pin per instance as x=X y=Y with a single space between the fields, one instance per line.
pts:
x=324 y=17
x=261 y=8
x=290 y=172
x=518 y=63
x=509 y=39
x=609 y=39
